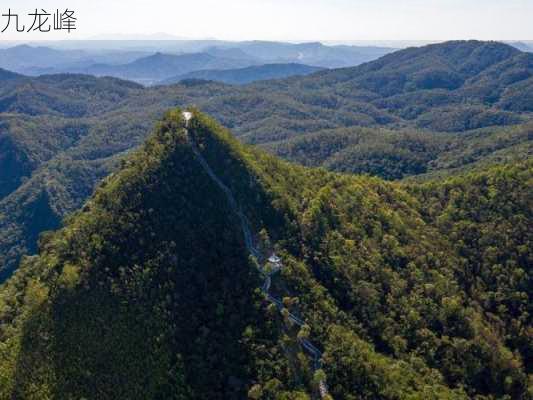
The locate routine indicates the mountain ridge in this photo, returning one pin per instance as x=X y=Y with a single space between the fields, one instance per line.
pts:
x=353 y=247
x=161 y=66
x=242 y=76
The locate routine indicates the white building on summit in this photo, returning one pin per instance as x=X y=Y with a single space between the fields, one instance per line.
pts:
x=274 y=259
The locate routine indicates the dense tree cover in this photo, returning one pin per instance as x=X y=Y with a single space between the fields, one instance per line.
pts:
x=399 y=154
x=385 y=262
x=398 y=280
x=41 y=202
x=412 y=290
x=146 y=293
x=84 y=122
x=385 y=153
x=48 y=167
x=487 y=217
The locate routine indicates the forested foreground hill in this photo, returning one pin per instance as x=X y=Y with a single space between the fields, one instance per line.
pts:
x=412 y=291
x=433 y=110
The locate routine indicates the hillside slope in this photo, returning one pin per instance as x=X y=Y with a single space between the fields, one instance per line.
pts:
x=386 y=276
x=441 y=87
x=397 y=154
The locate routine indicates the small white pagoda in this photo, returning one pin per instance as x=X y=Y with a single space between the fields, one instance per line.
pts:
x=275 y=260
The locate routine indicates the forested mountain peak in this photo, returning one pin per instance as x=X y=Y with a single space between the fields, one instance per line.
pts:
x=149 y=292
x=172 y=287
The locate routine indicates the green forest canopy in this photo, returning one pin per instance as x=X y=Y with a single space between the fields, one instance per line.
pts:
x=412 y=290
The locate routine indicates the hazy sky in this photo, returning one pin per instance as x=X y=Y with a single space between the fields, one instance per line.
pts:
x=290 y=19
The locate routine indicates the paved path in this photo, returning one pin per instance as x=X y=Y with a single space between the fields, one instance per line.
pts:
x=315 y=354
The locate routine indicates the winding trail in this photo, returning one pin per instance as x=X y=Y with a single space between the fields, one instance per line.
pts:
x=313 y=352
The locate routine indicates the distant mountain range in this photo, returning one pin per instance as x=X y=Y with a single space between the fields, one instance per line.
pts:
x=38 y=60
x=246 y=75
x=19 y=58
x=158 y=67
x=175 y=58
x=314 y=53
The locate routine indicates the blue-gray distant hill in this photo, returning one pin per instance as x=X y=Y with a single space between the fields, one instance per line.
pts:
x=155 y=61
x=314 y=53
x=40 y=60
x=241 y=76
x=6 y=75
x=19 y=58
x=158 y=67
